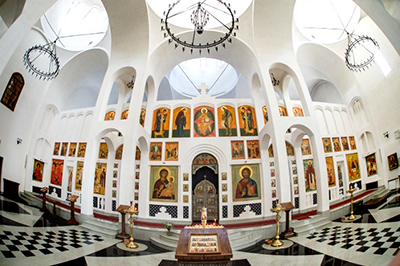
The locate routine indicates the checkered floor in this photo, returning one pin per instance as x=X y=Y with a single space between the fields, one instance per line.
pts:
x=22 y=244
x=385 y=241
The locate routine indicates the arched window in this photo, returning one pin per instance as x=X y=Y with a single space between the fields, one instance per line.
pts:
x=13 y=90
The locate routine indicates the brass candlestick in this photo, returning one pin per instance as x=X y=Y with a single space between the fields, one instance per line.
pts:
x=276 y=242
x=351 y=217
x=131 y=211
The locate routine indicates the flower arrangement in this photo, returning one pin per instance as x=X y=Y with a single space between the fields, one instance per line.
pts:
x=169 y=226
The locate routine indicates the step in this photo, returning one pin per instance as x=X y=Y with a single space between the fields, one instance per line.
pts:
x=173 y=239
x=163 y=244
x=101 y=226
x=313 y=224
x=251 y=242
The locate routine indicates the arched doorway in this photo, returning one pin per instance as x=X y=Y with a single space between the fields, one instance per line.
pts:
x=205 y=187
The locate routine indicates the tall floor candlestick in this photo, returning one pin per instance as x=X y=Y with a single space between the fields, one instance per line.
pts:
x=351 y=217
x=276 y=242
x=131 y=211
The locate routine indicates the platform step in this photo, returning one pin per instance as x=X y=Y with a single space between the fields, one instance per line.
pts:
x=163 y=243
x=314 y=223
x=101 y=226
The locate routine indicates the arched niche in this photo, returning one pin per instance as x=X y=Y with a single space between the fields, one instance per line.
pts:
x=87 y=69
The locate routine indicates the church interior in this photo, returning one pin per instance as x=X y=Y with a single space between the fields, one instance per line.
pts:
x=270 y=129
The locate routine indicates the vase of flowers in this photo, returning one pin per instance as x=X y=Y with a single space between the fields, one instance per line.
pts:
x=169 y=226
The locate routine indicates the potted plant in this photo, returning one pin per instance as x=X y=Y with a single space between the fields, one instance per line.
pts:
x=169 y=226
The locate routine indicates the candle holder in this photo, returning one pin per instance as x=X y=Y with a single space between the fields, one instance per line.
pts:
x=277 y=242
x=131 y=211
x=351 y=191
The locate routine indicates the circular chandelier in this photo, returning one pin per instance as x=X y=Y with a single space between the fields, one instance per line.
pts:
x=201 y=14
x=360 y=52
x=42 y=60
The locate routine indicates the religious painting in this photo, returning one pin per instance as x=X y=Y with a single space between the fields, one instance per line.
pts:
x=297 y=111
x=289 y=149
x=273 y=193
x=138 y=154
x=160 y=128
x=114 y=194
x=340 y=175
x=336 y=144
x=247 y=121
x=125 y=114
x=136 y=196
x=393 y=161
x=118 y=152
x=224 y=198
x=185 y=176
x=103 y=150
x=185 y=188
x=294 y=170
x=296 y=190
x=142 y=117
x=37 y=174
x=155 y=151
x=345 y=144
x=227 y=121
x=64 y=148
x=253 y=149
x=272 y=172
x=237 y=147
x=224 y=187
x=246 y=182
x=295 y=180
x=115 y=165
x=273 y=183
x=309 y=175
x=327 y=144
x=204 y=122
x=282 y=111
x=271 y=151
x=56 y=150
x=163 y=183
x=352 y=143
x=72 y=149
x=100 y=179
x=114 y=183
x=82 y=150
x=372 y=168
x=293 y=161
x=115 y=174
x=171 y=151
x=57 y=168
x=330 y=169
x=353 y=166
x=79 y=176
x=181 y=122
x=224 y=175
x=13 y=91
x=137 y=175
x=70 y=176
x=271 y=164
x=110 y=115
x=185 y=198
x=305 y=147
x=265 y=114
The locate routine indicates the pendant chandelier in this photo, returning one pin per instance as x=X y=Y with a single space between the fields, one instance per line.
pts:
x=201 y=14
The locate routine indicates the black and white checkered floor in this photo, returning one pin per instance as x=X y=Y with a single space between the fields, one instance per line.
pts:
x=384 y=241
x=23 y=244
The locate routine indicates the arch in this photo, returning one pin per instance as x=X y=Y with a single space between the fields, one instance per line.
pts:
x=88 y=69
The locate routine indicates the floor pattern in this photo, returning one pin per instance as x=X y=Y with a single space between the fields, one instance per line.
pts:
x=384 y=241
x=23 y=244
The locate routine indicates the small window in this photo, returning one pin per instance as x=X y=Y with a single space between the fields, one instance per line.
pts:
x=12 y=91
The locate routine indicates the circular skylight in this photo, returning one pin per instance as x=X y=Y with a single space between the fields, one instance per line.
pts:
x=213 y=76
x=79 y=24
x=325 y=21
x=214 y=7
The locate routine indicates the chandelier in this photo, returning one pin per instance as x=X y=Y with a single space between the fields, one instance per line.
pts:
x=201 y=13
x=360 y=52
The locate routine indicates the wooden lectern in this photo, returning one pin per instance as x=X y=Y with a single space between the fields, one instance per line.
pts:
x=289 y=232
x=123 y=209
x=72 y=199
